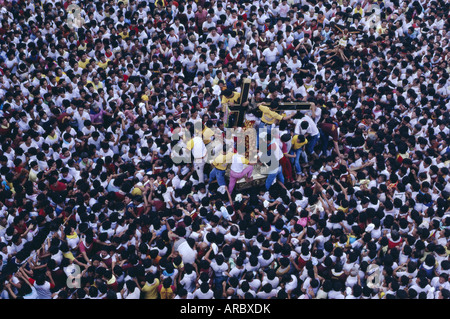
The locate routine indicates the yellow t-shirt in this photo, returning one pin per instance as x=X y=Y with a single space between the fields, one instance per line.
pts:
x=32 y=176
x=190 y=144
x=207 y=134
x=221 y=162
x=96 y=86
x=111 y=281
x=269 y=116
x=180 y=266
x=55 y=137
x=381 y=30
x=166 y=293
x=360 y=11
x=58 y=78
x=150 y=291
x=82 y=47
x=103 y=65
x=68 y=255
x=11 y=187
x=75 y=235
x=296 y=144
x=124 y=35
x=82 y=64
x=245 y=161
x=447 y=251
x=136 y=191
x=233 y=99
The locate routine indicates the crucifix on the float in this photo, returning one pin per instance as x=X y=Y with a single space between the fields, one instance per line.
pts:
x=291 y=106
x=235 y=114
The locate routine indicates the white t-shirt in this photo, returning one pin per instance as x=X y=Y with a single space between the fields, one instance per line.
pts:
x=270 y=55
x=200 y=295
x=43 y=291
x=32 y=295
x=199 y=148
x=273 y=282
x=237 y=163
x=265 y=295
x=312 y=128
x=236 y=272
x=188 y=281
x=134 y=294
x=188 y=254
x=219 y=269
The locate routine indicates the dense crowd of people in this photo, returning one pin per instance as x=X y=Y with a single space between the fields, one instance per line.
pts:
x=95 y=97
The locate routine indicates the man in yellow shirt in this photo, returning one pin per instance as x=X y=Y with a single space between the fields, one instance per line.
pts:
x=358 y=9
x=96 y=84
x=103 y=62
x=207 y=132
x=382 y=28
x=230 y=98
x=268 y=118
x=298 y=141
x=220 y=164
x=83 y=62
x=150 y=289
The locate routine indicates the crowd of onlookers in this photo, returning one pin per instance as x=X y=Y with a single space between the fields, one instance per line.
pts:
x=95 y=97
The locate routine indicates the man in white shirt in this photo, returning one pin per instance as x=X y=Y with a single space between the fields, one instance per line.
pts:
x=294 y=64
x=81 y=116
x=198 y=150
x=309 y=129
x=187 y=251
x=203 y=292
x=271 y=53
x=190 y=63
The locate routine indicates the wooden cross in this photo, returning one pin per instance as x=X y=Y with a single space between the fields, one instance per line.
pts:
x=234 y=115
x=291 y=106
